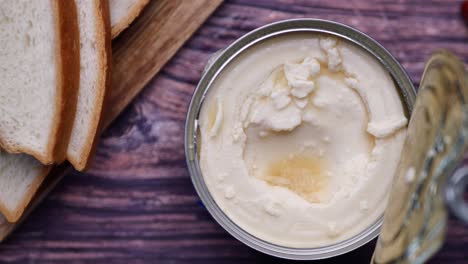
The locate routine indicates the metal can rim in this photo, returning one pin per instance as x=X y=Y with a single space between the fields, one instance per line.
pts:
x=215 y=67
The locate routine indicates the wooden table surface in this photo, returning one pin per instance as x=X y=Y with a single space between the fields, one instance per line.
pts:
x=137 y=205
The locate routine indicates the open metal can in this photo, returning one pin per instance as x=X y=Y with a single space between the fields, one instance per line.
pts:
x=216 y=65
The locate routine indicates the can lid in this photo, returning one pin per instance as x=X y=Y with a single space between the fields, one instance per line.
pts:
x=437 y=136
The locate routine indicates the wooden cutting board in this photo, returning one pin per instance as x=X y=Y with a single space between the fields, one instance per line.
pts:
x=138 y=54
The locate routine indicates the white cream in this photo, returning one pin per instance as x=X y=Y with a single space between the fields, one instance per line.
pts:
x=300 y=138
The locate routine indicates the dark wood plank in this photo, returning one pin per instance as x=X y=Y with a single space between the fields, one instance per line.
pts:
x=137 y=204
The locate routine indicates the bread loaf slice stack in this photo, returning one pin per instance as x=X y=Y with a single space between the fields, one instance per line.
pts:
x=55 y=70
x=39 y=70
x=37 y=63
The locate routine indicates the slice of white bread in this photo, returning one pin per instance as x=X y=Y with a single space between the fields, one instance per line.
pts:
x=123 y=12
x=95 y=57
x=39 y=70
x=54 y=176
x=20 y=177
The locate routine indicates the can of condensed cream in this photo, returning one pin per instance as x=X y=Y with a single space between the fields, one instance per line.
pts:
x=265 y=124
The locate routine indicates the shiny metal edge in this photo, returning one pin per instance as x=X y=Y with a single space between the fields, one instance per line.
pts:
x=406 y=90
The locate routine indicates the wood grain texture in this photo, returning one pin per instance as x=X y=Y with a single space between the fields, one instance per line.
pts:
x=137 y=204
x=141 y=51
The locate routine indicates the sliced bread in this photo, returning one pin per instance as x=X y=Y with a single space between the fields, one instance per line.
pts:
x=20 y=177
x=95 y=56
x=39 y=69
x=123 y=12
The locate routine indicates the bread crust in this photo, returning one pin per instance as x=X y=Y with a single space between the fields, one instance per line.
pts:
x=103 y=45
x=13 y=216
x=128 y=19
x=54 y=175
x=70 y=77
x=67 y=68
